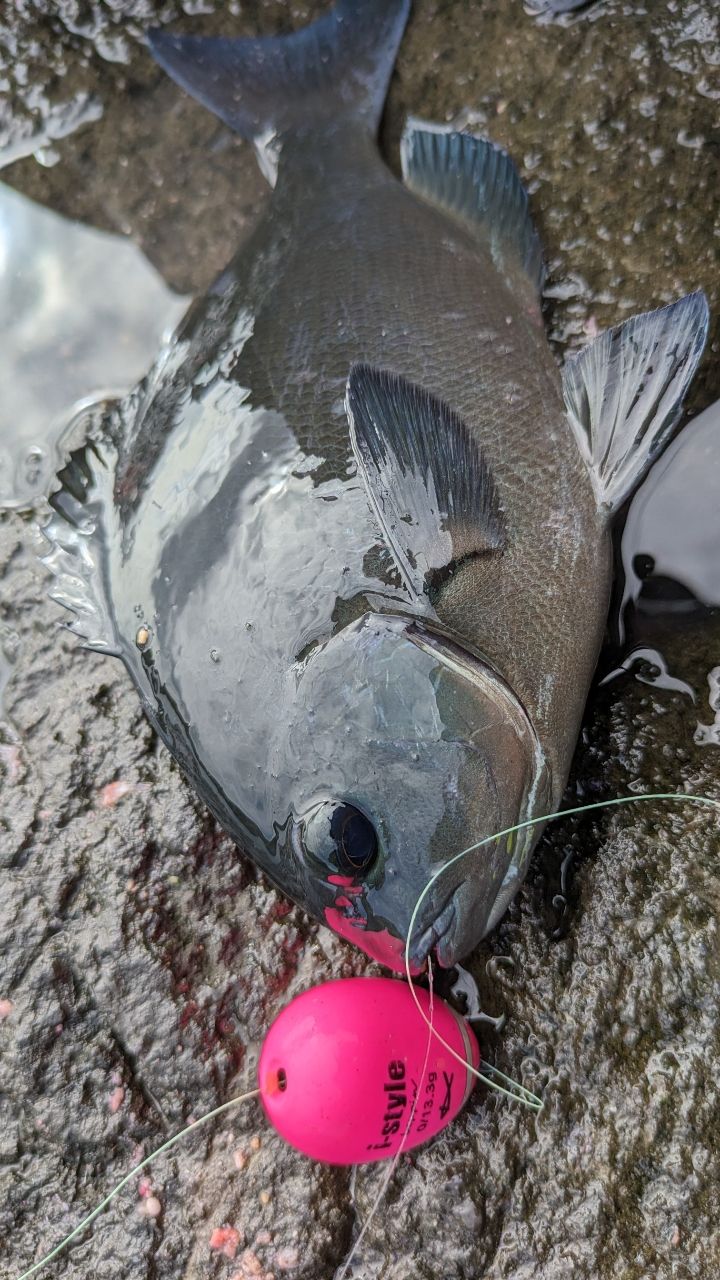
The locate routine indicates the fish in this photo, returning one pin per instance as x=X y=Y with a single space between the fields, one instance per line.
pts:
x=350 y=537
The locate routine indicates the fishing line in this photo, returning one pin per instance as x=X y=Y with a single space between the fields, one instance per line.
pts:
x=226 y=1106
x=342 y=1273
x=490 y=1075
x=195 y=1124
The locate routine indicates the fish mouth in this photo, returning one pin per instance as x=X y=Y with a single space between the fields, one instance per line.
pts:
x=438 y=936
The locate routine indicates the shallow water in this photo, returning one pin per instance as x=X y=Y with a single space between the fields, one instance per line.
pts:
x=141 y=954
x=673 y=525
x=82 y=313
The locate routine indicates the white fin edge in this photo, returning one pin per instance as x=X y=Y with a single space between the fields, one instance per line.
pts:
x=625 y=390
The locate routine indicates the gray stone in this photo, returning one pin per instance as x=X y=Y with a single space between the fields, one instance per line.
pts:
x=143 y=956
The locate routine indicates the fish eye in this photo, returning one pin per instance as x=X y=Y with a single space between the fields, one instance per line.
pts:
x=354 y=837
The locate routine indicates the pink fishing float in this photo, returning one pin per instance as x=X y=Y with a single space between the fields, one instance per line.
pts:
x=347 y=1076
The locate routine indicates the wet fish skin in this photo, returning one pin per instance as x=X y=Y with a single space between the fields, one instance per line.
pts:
x=308 y=645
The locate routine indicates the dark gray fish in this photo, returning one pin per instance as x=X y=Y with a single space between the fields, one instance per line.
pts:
x=350 y=536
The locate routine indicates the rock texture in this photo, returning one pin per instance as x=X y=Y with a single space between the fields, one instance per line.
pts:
x=141 y=956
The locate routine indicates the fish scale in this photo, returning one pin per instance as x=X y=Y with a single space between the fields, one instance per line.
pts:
x=543 y=483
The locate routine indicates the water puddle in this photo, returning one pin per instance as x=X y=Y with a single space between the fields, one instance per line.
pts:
x=649 y=667
x=669 y=589
x=673 y=526
x=82 y=315
x=560 y=10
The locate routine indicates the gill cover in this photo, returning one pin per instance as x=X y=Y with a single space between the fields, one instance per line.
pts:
x=397 y=722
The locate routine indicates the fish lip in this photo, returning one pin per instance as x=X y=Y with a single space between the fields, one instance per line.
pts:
x=446 y=949
x=437 y=936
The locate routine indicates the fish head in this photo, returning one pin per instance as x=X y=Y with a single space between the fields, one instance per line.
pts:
x=402 y=750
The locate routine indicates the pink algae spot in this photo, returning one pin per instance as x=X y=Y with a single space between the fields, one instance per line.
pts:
x=150 y=1207
x=591 y=328
x=6 y=1008
x=225 y=1240
x=144 y=1187
x=113 y=792
x=287 y=1259
x=380 y=944
x=250 y=1266
x=116 y=1099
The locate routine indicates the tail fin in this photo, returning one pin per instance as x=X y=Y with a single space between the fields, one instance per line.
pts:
x=339 y=66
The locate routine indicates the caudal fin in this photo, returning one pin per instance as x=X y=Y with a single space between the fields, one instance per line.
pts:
x=339 y=66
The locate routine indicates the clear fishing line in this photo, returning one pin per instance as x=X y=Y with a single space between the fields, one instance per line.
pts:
x=489 y=1074
x=195 y=1124
x=390 y=1172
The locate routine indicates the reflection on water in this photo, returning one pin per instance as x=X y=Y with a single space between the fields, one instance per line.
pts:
x=673 y=526
x=556 y=8
x=670 y=579
x=82 y=314
x=649 y=667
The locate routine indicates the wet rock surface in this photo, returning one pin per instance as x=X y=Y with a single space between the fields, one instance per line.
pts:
x=143 y=958
x=611 y=995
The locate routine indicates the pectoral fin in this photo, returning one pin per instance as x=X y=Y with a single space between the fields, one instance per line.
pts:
x=425 y=475
x=624 y=392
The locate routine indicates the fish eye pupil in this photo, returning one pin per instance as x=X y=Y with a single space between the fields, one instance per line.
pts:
x=355 y=838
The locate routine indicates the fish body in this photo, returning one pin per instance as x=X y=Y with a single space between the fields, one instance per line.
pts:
x=351 y=535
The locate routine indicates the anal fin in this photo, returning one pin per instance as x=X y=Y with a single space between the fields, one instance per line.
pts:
x=76 y=551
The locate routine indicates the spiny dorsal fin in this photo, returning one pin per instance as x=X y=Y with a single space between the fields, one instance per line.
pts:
x=478 y=182
x=339 y=66
x=624 y=392
x=425 y=475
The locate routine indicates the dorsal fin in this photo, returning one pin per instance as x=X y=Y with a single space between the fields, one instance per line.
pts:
x=476 y=181
x=624 y=392
x=426 y=476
